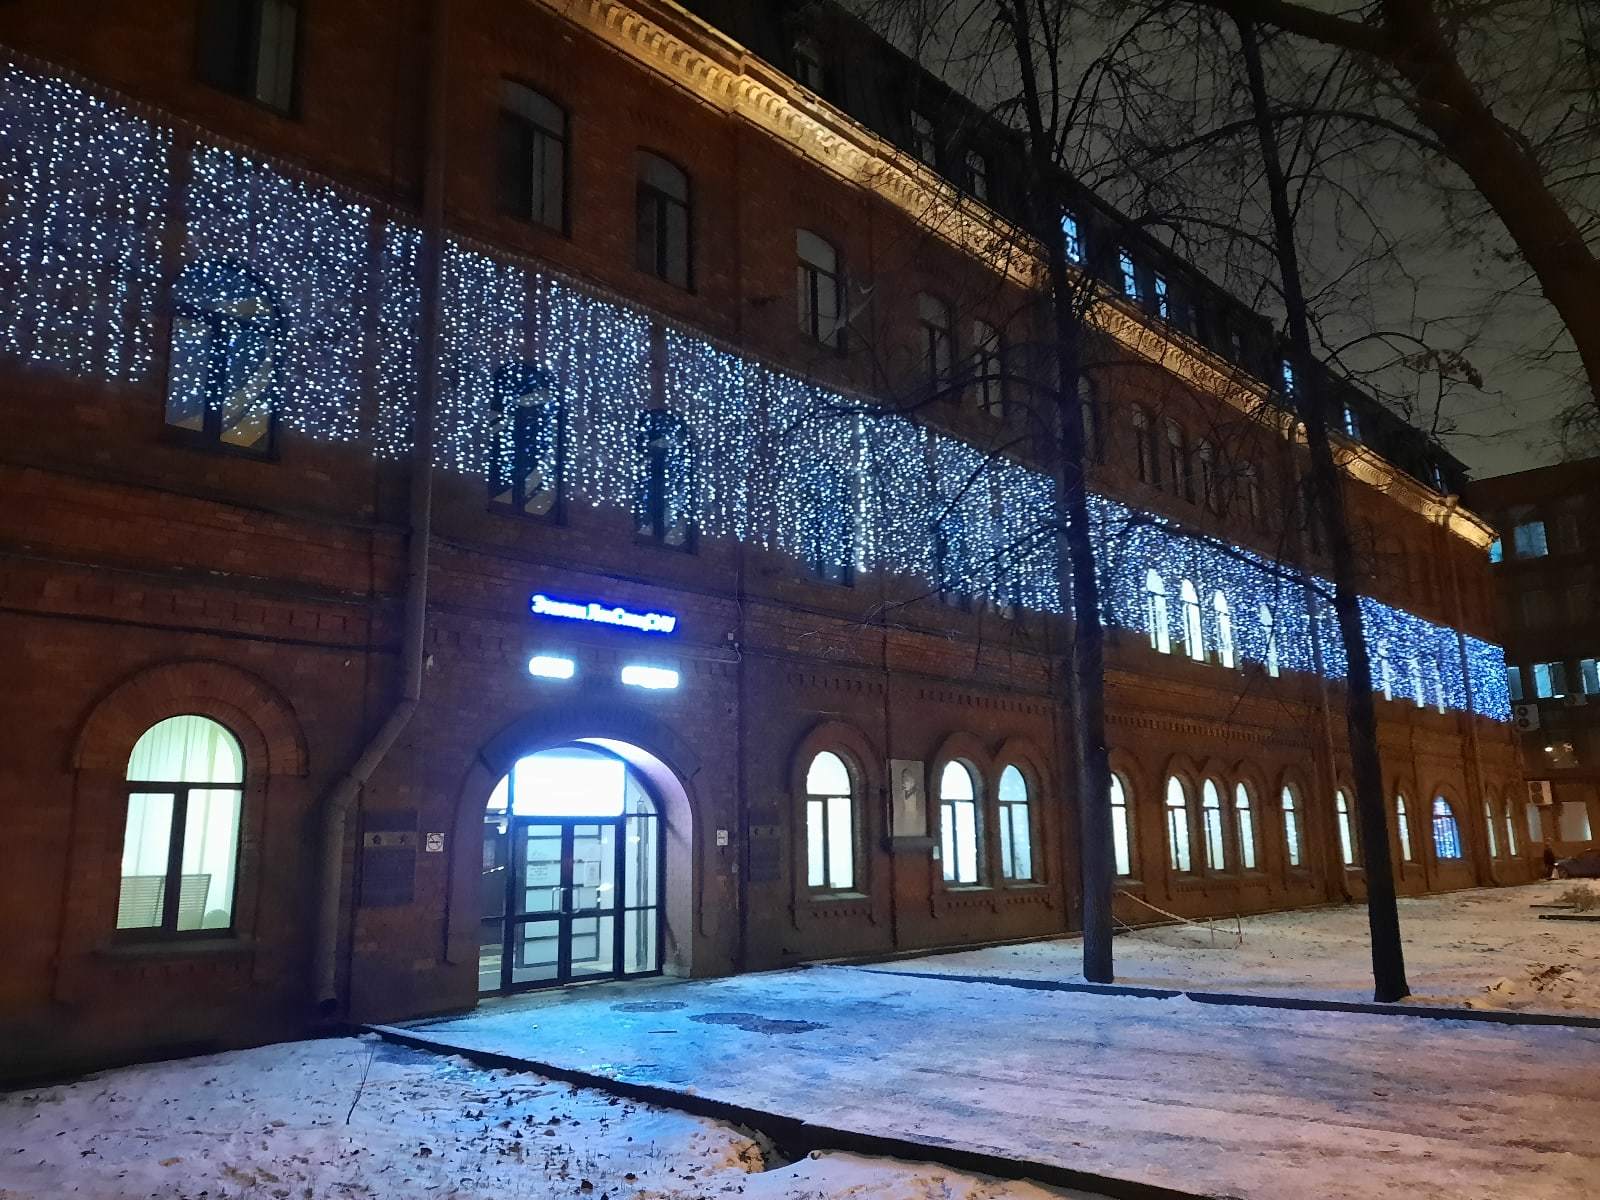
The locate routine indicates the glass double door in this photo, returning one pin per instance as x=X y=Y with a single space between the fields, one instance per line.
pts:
x=561 y=903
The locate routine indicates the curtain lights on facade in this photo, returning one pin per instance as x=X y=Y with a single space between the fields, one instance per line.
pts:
x=774 y=461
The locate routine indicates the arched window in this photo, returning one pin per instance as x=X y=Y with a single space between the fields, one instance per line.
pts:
x=180 y=845
x=1144 y=447
x=1225 y=649
x=819 y=288
x=1385 y=670
x=1270 y=638
x=1245 y=825
x=662 y=220
x=1511 y=828
x=1404 y=824
x=529 y=443
x=1094 y=437
x=1016 y=833
x=666 y=479
x=533 y=156
x=223 y=381
x=1121 y=828
x=1291 y=825
x=1177 y=464
x=1250 y=484
x=1414 y=672
x=1535 y=821
x=1178 y=857
x=958 y=823
x=1488 y=823
x=1194 y=642
x=1446 y=833
x=1205 y=470
x=937 y=347
x=988 y=378
x=830 y=825
x=1155 y=613
x=1211 y=823
x=1347 y=832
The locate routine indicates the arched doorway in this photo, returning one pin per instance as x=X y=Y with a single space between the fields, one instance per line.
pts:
x=573 y=871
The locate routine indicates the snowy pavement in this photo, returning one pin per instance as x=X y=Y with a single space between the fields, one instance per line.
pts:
x=271 y=1124
x=1484 y=948
x=1230 y=1101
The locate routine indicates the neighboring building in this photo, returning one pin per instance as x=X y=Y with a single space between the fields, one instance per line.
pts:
x=1548 y=573
x=723 y=663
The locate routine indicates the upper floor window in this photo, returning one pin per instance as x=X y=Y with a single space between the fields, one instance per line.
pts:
x=1385 y=680
x=1236 y=345
x=1269 y=636
x=1089 y=416
x=1446 y=832
x=1130 y=276
x=1514 y=682
x=1250 y=485
x=924 y=141
x=180 y=841
x=1205 y=475
x=530 y=438
x=1178 y=461
x=1352 y=423
x=1072 y=239
x=950 y=560
x=988 y=365
x=662 y=223
x=833 y=533
x=819 y=288
x=808 y=66
x=1286 y=371
x=1550 y=680
x=1121 y=829
x=1589 y=676
x=1162 y=301
x=223 y=381
x=1016 y=831
x=958 y=823
x=533 y=157
x=1496 y=551
x=1155 y=612
x=830 y=825
x=978 y=174
x=933 y=319
x=1193 y=635
x=1528 y=539
x=666 y=479
x=1144 y=447
x=1223 y=616
x=248 y=47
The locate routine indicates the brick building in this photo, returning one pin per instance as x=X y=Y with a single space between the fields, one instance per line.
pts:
x=710 y=639
x=1547 y=569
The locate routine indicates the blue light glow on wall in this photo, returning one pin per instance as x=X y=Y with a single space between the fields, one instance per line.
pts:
x=776 y=461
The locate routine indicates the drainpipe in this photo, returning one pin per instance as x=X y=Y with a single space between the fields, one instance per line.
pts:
x=1473 y=760
x=336 y=805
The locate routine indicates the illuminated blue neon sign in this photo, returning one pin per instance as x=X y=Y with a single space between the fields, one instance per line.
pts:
x=595 y=613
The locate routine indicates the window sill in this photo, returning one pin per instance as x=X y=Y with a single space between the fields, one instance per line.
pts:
x=824 y=899
x=221 y=946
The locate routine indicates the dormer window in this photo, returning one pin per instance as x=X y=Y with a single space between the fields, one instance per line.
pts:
x=978 y=175
x=924 y=142
x=808 y=70
x=1070 y=235
x=1163 y=303
x=1130 y=277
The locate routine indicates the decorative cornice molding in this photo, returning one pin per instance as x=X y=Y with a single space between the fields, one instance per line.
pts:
x=674 y=43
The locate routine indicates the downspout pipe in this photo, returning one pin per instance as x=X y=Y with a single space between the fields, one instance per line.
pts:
x=340 y=799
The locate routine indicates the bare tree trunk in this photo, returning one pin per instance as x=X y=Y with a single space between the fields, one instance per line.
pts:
x=1086 y=666
x=1388 y=958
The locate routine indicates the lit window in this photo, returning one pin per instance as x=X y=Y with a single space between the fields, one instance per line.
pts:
x=551 y=666
x=1121 y=828
x=988 y=369
x=662 y=220
x=1193 y=633
x=224 y=379
x=1385 y=670
x=1589 y=674
x=1528 y=540
x=180 y=841
x=951 y=558
x=1177 y=825
x=1269 y=636
x=1016 y=833
x=830 y=825
x=1069 y=235
x=1511 y=830
x=663 y=507
x=978 y=174
x=1130 y=276
x=1352 y=423
x=529 y=435
x=1414 y=673
x=1224 y=618
x=247 y=47
x=1211 y=823
x=1446 y=833
x=1163 y=307
x=1514 y=682
x=1155 y=613
x=1403 y=823
x=1549 y=680
x=819 y=289
x=1291 y=825
x=924 y=143
x=1572 y=821
x=958 y=824
x=1245 y=825
x=1489 y=825
x=533 y=157
x=1347 y=833
x=1496 y=551
x=933 y=318
x=655 y=679
x=1287 y=370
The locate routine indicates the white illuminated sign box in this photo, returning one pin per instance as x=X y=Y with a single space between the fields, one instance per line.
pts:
x=595 y=613
x=654 y=678
x=550 y=666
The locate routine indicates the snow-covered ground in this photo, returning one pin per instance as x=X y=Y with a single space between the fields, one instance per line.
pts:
x=1484 y=948
x=1228 y=1101
x=270 y=1124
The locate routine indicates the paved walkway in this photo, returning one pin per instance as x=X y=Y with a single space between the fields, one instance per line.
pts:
x=1247 y=1102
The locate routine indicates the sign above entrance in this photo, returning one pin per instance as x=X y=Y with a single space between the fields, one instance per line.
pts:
x=596 y=613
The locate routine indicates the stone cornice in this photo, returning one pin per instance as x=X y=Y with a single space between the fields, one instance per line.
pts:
x=672 y=42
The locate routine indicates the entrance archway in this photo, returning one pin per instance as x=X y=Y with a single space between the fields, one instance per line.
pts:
x=574 y=867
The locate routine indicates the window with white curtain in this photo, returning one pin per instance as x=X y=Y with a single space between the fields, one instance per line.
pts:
x=1155 y=613
x=830 y=825
x=1226 y=654
x=1211 y=824
x=958 y=823
x=1270 y=637
x=1178 y=856
x=1244 y=816
x=1016 y=833
x=1194 y=642
x=180 y=843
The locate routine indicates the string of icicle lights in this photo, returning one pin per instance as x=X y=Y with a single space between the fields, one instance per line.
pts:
x=323 y=293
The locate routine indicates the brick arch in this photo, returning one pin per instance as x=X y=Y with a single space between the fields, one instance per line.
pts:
x=247 y=705
x=970 y=750
x=1021 y=753
x=844 y=739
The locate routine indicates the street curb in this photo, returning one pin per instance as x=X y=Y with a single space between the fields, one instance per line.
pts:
x=796 y=1137
x=1424 y=1012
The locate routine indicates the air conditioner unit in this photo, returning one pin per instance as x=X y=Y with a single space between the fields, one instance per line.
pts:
x=1539 y=791
x=1525 y=716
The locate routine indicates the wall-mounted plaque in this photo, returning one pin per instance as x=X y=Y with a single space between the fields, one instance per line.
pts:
x=908 y=800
